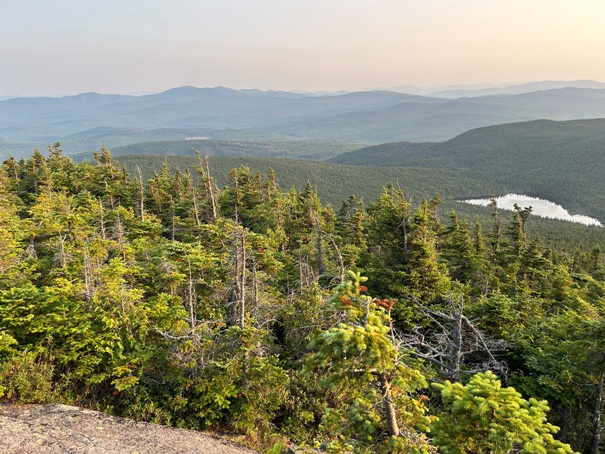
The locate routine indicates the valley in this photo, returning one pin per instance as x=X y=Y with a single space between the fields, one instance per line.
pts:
x=85 y=122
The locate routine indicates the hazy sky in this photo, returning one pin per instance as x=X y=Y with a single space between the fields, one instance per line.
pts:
x=51 y=47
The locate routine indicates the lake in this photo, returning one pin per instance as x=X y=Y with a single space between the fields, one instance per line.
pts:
x=540 y=207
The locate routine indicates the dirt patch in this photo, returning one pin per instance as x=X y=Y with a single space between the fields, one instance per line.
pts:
x=63 y=429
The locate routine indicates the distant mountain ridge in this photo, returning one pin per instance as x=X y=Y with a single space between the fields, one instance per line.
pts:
x=516 y=89
x=372 y=116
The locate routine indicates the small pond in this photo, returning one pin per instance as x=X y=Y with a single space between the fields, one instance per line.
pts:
x=540 y=207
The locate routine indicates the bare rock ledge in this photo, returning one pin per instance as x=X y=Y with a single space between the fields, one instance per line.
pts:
x=61 y=429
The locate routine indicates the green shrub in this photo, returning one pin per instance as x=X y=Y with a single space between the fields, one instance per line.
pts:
x=27 y=378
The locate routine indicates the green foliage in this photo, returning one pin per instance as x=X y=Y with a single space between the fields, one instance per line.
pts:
x=484 y=417
x=378 y=410
x=335 y=183
x=176 y=302
x=293 y=148
x=275 y=449
x=556 y=160
x=240 y=386
x=27 y=378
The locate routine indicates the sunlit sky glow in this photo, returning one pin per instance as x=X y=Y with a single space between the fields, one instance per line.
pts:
x=133 y=46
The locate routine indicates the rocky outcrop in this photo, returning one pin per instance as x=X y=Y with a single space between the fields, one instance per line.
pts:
x=63 y=429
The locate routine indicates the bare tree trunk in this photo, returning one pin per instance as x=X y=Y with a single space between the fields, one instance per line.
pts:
x=388 y=406
x=242 y=308
x=305 y=273
x=89 y=283
x=455 y=337
x=192 y=297
x=319 y=250
x=255 y=298
x=119 y=235
x=141 y=194
x=208 y=182
x=238 y=305
x=596 y=419
x=102 y=220
x=338 y=257
x=300 y=273
x=240 y=278
x=211 y=190
x=62 y=255
x=196 y=212
x=456 y=350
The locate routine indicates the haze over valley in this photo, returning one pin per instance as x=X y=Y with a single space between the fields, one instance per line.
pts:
x=87 y=121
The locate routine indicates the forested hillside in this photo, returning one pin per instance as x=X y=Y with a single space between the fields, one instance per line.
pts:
x=560 y=161
x=374 y=327
x=293 y=149
x=335 y=183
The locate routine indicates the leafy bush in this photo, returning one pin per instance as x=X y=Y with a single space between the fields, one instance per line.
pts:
x=27 y=378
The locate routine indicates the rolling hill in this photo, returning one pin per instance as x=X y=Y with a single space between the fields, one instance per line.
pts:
x=561 y=161
x=334 y=182
x=296 y=149
x=86 y=122
x=460 y=92
x=184 y=107
x=438 y=121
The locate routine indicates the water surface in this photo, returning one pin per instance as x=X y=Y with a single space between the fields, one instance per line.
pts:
x=540 y=207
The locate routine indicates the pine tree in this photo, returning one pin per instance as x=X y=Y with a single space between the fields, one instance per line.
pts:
x=483 y=417
x=379 y=412
x=427 y=276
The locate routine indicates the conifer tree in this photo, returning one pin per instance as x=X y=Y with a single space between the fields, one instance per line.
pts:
x=483 y=417
x=380 y=412
x=12 y=235
x=427 y=276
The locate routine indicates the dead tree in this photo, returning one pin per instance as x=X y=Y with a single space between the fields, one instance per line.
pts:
x=237 y=305
x=453 y=342
x=141 y=194
x=341 y=275
x=596 y=423
x=210 y=190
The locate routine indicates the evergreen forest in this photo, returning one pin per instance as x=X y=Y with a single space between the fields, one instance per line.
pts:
x=395 y=326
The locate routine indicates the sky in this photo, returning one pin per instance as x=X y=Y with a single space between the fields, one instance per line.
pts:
x=59 y=47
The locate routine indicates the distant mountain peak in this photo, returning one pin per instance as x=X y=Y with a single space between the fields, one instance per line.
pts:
x=517 y=89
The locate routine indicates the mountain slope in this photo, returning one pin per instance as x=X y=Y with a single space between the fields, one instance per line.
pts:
x=336 y=183
x=181 y=108
x=444 y=119
x=295 y=149
x=372 y=116
x=562 y=161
